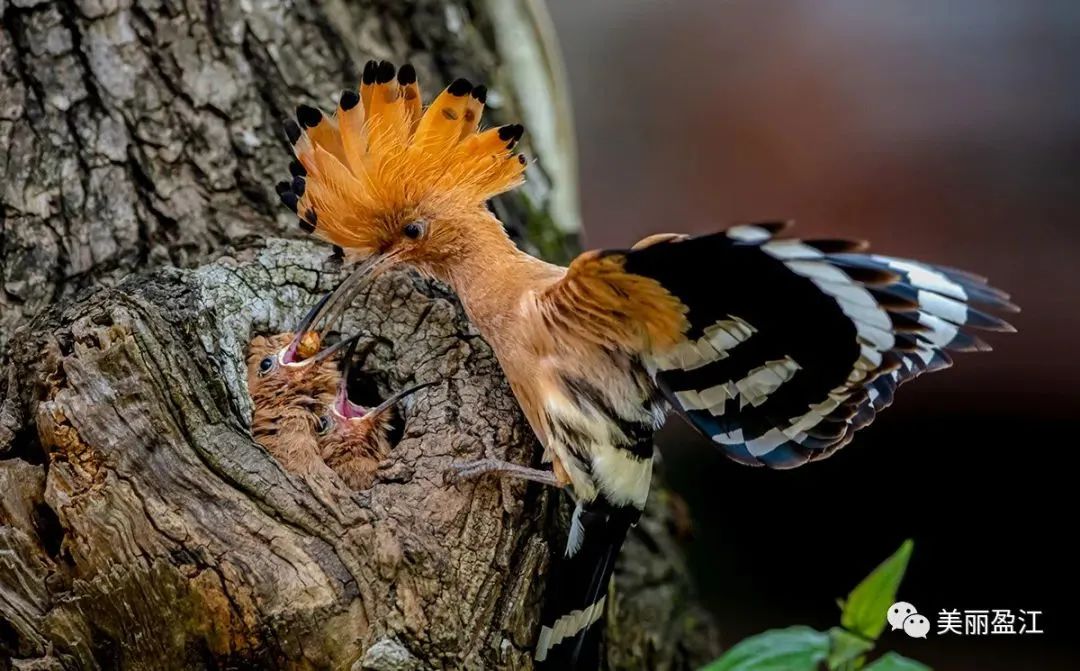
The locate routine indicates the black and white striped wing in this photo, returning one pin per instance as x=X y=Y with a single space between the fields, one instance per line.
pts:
x=795 y=345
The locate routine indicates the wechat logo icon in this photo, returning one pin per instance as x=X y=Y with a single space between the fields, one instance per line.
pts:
x=902 y=615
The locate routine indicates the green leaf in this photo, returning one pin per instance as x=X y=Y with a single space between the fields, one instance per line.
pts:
x=791 y=649
x=868 y=604
x=846 y=650
x=895 y=662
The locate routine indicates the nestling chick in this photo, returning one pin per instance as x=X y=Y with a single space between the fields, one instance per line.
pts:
x=289 y=392
x=355 y=439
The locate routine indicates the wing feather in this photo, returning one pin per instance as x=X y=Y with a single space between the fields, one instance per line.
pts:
x=778 y=350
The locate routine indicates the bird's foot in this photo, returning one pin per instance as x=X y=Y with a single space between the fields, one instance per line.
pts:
x=468 y=470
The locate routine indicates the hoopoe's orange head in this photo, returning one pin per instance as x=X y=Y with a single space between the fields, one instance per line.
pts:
x=382 y=176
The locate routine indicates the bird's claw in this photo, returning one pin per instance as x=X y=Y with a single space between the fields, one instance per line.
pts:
x=469 y=470
x=465 y=470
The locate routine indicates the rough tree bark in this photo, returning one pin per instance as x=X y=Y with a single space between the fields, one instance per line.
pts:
x=140 y=527
x=135 y=134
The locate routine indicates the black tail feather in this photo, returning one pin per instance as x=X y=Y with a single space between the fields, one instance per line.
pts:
x=572 y=628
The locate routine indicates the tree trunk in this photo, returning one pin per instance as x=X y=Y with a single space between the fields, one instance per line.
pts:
x=142 y=134
x=140 y=526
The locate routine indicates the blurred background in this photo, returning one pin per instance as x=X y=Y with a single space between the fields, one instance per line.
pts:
x=943 y=131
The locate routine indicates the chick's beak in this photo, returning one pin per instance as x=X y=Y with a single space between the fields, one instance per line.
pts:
x=342 y=405
x=349 y=410
x=396 y=398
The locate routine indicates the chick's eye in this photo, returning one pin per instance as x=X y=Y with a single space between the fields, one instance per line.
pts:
x=324 y=425
x=265 y=365
x=413 y=230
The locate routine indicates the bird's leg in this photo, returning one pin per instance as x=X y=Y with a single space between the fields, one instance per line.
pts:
x=468 y=470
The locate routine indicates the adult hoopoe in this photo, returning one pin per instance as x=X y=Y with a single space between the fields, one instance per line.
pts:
x=779 y=350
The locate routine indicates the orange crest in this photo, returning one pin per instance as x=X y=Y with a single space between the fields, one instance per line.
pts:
x=381 y=161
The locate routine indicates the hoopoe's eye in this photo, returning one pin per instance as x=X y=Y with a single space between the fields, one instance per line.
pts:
x=266 y=365
x=413 y=230
x=324 y=425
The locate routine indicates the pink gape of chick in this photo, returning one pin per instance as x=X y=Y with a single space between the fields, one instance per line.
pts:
x=353 y=439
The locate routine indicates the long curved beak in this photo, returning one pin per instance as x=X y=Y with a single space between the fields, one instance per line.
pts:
x=347 y=290
x=322 y=317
